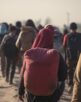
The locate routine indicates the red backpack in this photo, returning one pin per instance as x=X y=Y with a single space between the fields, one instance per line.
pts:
x=41 y=71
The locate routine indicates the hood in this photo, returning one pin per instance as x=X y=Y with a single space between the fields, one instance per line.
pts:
x=44 y=39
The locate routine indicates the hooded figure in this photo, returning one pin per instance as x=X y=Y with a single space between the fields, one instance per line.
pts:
x=43 y=67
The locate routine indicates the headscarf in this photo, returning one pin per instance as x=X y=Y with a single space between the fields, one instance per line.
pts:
x=44 y=39
x=50 y=27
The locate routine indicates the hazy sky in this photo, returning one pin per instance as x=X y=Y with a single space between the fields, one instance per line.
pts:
x=56 y=10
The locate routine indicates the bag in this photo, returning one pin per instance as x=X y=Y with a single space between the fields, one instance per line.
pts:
x=40 y=76
x=9 y=48
x=73 y=48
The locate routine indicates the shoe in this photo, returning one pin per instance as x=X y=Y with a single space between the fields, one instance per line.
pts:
x=11 y=82
x=7 y=80
x=3 y=75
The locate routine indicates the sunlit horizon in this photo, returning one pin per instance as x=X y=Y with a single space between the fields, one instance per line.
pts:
x=59 y=12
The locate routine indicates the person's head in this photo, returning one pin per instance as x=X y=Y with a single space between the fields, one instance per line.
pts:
x=44 y=39
x=12 y=28
x=73 y=26
x=4 y=28
x=6 y=24
x=39 y=27
x=65 y=31
x=18 y=24
x=50 y=27
x=30 y=22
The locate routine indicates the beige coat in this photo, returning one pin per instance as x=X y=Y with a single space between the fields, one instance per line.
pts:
x=77 y=83
x=25 y=38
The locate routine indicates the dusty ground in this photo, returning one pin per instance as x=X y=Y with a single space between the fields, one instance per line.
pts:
x=8 y=93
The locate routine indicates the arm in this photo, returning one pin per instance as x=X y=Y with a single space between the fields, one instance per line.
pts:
x=18 y=42
x=77 y=83
x=21 y=84
x=65 y=41
x=65 y=44
x=62 y=73
x=3 y=41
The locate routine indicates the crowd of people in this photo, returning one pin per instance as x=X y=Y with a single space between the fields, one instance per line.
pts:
x=42 y=68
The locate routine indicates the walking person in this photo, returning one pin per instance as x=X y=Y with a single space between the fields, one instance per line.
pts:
x=72 y=42
x=4 y=29
x=43 y=68
x=11 y=53
x=25 y=39
x=18 y=26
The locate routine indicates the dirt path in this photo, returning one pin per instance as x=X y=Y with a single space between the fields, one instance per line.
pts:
x=8 y=93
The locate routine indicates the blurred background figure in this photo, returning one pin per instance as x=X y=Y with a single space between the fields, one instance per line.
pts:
x=31 y=23
x=25 y=39
x=18 y=25
x=4 y=29
x=72 y=42
x=65 y=32
x=11 y=53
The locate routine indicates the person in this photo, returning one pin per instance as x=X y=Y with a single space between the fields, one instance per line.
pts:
x=4 y=29
x=65 y=32
x=10 y=51
x=72 y=42
x=43 y=70
x=40 y=27
x=77 y=83
x=18 y=25
x=31 y=23
x=25 y=40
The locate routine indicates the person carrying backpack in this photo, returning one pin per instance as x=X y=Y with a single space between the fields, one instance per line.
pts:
x=11 y=53
x=72 y=45
x=43 y=70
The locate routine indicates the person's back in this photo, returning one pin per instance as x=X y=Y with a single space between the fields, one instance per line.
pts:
x=4 y=29
x=8 y=45
x=25 y=38
x=11 y=53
